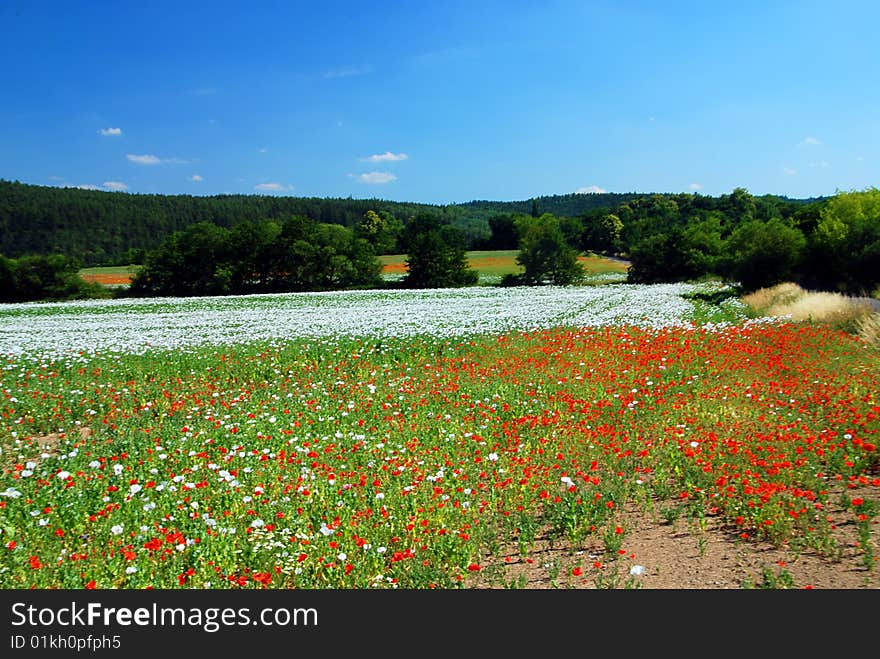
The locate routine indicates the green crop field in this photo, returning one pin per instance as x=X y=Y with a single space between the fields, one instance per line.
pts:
x=426 y=439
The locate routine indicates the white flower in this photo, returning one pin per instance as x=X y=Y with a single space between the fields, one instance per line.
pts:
x=63 y=475
x=26 y=472
x=637 y=570
x=94 y=464
x=131 y=569
x=326 y=530
x=10 y=492
x=492 y=457
x=342 y=556
x=257 y=523
x=134 y=489
x=116 y=529
x=117 y=469
x=567 y=480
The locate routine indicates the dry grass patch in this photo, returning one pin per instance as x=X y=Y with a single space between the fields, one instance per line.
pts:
x=851 y=314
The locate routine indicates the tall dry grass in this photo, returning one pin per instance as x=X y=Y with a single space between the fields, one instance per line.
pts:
x=855 y=315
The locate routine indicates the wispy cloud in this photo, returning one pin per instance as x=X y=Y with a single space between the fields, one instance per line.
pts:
x=146 y=159
x=110 y=132
x=150 y=159
x=788 y=171
x=386 y=157
x=272 y=187
x=696 y=186
x=810 y=141
x=375 y=177
x=195 y=178
x=115 y=186
x=590 y=189
x=347 y=72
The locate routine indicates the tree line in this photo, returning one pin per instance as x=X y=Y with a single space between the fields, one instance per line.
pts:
x=118 y=228
x=831 y=243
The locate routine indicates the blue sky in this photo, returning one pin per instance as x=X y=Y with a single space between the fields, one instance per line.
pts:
x=441 y=102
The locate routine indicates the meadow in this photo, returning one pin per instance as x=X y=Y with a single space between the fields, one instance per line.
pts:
x=494 y=264
x=455 y=438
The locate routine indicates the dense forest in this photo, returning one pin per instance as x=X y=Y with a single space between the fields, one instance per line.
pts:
x=235 y=244
x=117 y=228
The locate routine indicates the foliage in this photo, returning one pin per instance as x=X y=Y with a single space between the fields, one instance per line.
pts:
x=43 y=277
x=436 y=255
x=298 y=255
x=545 y=255
x=761 y=254
x=845 y=246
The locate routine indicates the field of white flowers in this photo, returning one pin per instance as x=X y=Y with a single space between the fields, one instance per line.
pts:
x=137 y=325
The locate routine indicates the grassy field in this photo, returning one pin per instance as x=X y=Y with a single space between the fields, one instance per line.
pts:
x=503 y=262
x=434 y=439
x=491 y=265
x=118 y=275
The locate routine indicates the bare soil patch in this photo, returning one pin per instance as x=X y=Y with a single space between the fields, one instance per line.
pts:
x=656 y=554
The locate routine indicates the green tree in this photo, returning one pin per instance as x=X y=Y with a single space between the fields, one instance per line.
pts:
x=605 y=234
x=8 y=290
x=46 y=277
x=382 y=230
x=436 y=256
x=760 y=254
x=544 y=254
x=845 y=245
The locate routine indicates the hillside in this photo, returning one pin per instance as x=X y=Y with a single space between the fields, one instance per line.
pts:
x=108 y=228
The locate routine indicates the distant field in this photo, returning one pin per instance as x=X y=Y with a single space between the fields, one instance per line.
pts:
x=503 y=262
x=118 y=275
x=491 y=265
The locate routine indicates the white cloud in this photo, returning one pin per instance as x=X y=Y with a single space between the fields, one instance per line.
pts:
x=788 y=171
x=143 y=160
x=376 y=177
x=116 y=186
x=196 y=178
x=272 y=187
x=87 y=186
x=590 y=189
x=695 y=186
x=810 y=141
x=150 y=159
x=386 y=157
x=110 y=132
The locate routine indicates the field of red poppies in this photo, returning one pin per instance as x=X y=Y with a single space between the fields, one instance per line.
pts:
x=407 y=462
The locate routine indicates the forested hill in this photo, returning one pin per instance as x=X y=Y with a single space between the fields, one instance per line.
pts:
x=100 y=227
x=564 y=205
x=104 y=228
